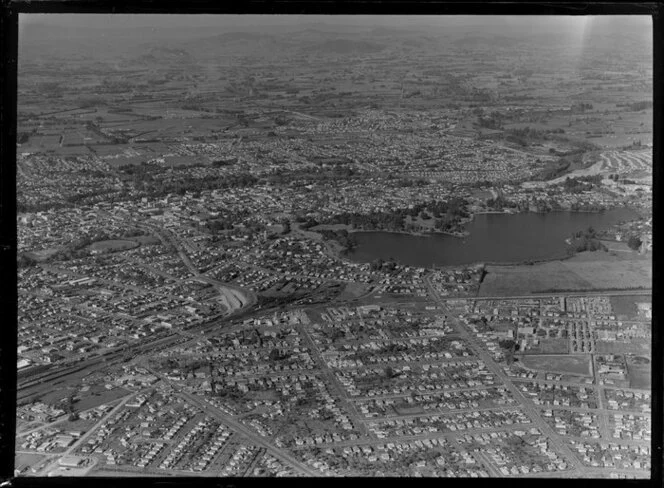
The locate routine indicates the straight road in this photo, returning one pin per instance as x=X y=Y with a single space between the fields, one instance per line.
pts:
x=340 y=391
x=45 y=470
x=250 y=434
x=527 y=405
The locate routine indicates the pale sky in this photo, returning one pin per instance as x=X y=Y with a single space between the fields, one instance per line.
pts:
x=238 y=21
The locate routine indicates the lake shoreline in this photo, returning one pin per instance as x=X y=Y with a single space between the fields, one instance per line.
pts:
x=494 y=238
x=414 y=234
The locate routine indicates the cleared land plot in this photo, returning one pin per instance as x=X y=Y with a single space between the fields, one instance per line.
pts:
x=625 y=305
x=640 y=377
x=563 y=363
x=353 y=290
x=550 y=346
x=639 y=372
x=24 y=461
x=633 y=346
x=99 y=395
x=113 y=245
x=587 y=271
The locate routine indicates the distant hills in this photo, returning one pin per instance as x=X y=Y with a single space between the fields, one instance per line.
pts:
x=132 y=46
x=241 y=36
x=345 y=46
x=162 y=55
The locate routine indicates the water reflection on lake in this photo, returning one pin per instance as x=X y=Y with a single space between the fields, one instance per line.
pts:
x=499 y=238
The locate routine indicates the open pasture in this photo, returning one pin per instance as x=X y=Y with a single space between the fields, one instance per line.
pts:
x=585 y=271
x=613 y=272
x=524 y=280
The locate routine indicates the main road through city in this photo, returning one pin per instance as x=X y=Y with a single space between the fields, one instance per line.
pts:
x=527 y=405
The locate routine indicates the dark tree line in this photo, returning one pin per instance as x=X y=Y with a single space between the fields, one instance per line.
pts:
x=586 y=241
x=581 y=183
x=448 y=215
x=499 y=203
x=634 y=243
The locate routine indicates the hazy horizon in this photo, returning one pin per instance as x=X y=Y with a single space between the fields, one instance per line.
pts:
x=533 y=22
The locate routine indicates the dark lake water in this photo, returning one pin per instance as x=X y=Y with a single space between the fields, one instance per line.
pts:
x=498 y=238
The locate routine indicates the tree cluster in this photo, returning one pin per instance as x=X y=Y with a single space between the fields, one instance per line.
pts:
x=634 y=243
x=447 y=215
x=499 y=203
x=581 y=107
x=342 y=236
x=586 y=241
x=224 y=162
x=382 y=265
x=581 y=183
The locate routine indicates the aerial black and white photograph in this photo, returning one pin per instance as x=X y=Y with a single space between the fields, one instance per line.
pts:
x=334 y=245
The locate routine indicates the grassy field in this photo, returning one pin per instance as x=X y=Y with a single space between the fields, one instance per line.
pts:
x=98 y=395
x=55 y=396
x=639 y=372
x=639 y=377
x=405 y=409
x=609 y=271
x=585 y=271
x=353 y=290
x=43 y=254
x=113 y=245
x=523 y=280
x=633 y=346
x=563 y=363
x=146 y=239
